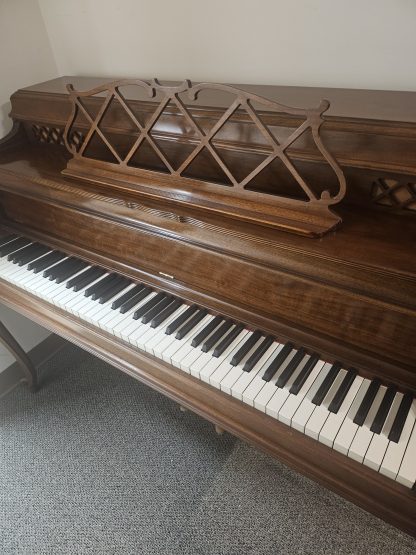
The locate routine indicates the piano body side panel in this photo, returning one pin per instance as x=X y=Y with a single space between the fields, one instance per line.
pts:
x=376 y=336
x=370 y=490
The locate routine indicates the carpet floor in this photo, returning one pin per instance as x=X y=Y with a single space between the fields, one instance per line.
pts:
x=96 y=462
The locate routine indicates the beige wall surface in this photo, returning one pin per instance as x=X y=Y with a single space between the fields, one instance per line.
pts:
x=25 y=52
x=25 y=58
x=336 y=43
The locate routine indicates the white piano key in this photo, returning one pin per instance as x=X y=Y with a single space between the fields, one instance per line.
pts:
x=225 y=368
x=210 y=363
x=379 y=443
x=190 y=358
x=306 y=407
x=395 y=451
x=161 y=330
x=292 y=403
x=106 y=309
x=364 y=435
x=247 y=377
x=178 y=348
x=257 y=383
x=348 y=428
x=11 y=269
x=31 y=282
x=282 y=393
x=407 y=472
x=321 y=413
x=129 y=324
x=237 y=371
x=128 y=329
x=114 y=323
x=136 y=337
x=269 y=389
x=334 y=422
x=205 y=367
x=144 y=341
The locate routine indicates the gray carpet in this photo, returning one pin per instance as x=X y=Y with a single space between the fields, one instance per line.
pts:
x=95 y=462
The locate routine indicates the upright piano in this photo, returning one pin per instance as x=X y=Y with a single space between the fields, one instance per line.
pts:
x=248 y=251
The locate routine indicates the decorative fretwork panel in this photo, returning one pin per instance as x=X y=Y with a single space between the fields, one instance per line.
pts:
x=124 y=154
x=394 y=193
x=55 y=135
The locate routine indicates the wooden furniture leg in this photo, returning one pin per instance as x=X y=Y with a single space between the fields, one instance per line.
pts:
x=29 y=371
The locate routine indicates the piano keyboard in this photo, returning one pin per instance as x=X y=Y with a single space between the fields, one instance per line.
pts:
x=361 y=418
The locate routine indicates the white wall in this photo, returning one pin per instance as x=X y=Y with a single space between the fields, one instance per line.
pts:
x=25 y=58
x=340 y=43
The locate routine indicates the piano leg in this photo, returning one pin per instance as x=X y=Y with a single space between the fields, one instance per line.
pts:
x=29 y=371
x=219 y=430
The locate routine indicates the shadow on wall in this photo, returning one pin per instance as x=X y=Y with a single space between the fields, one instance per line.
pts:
x=5 y=121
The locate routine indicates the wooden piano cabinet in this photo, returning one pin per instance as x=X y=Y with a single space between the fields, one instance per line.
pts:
x=368 y=489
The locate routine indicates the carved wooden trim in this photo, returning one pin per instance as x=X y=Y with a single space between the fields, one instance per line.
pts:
x=311 y=216
x=394 y=193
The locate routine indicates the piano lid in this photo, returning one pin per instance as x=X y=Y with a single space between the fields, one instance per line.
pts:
x=355 y=104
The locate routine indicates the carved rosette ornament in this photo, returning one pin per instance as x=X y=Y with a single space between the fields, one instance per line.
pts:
x=310 y=216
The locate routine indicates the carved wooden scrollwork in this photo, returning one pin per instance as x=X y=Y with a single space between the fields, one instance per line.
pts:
x=239 y=200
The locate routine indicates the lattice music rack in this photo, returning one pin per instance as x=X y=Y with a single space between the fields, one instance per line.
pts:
x=311 y=216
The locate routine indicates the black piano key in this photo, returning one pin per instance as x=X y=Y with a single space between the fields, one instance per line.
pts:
x=217 y=336
x=258 y=353
x=149 y=305
x=277 y=362
x=400 y=419
x=7 y=238
x=191 y=323
x=142 y=294
x=157 y=309
x=88 y=279
x=16 y=257
x=103 y=287
x=181 y=319
x=383 y=410
x=99 y=285
x=290 y=368
x=303 y=374
x=206 y=330
x=46 y=261
x=367 y=402
x=245 y=348
x=14 y=245
x=55 y=270
x=227 y=340
x=34 y=255
x=326 y=384
x=116 y=288
x=168 y=311
x=90 y=273
x=343 y=389
x=70 y=271
x=127 y=295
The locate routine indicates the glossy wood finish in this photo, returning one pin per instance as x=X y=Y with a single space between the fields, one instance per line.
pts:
x=29 y=371
x=350 y=295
